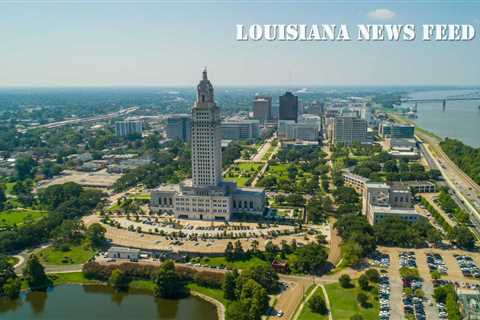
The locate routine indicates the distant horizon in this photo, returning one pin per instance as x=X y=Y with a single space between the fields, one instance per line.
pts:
x=167 y=44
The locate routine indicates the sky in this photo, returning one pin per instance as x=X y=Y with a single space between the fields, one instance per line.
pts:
x=168 y=43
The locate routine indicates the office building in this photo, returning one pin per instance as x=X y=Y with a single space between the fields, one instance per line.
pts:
x=179 y=127
x=288 y=107
x=128 y=127
x=206 y=196
x=349 y=130
x=381 y=200
x=396 y=131
x=240 y=130
x=262 y=108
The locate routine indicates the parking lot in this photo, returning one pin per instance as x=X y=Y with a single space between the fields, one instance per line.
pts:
x=449 y=263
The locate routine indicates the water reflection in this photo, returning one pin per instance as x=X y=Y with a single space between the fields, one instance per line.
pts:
x=102 y=302
x=37 y=300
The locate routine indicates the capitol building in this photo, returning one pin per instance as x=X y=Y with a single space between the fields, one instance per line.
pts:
x=206 y=196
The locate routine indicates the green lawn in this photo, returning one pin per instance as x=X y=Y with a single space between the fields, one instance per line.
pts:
x=146 y=285
x=216 y=294
x=76 y=255
x=242 y=264
x=240 y=173
x=20 y=216
x=12 y=260
x=344 y=303
x=306 y=313
x=71 y=278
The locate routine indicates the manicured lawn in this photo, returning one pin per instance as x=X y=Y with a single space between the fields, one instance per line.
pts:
x=76 y=255
x=142 y=285
x=241 y=264
x=20 y=216
x=71 y=278
x=344 y=303
x=240 y=173
x=307 y=313
x=216 y=294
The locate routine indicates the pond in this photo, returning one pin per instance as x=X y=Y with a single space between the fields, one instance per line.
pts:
x=102 y=302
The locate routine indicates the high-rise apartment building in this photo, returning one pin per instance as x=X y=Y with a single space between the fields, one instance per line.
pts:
x=127 y=127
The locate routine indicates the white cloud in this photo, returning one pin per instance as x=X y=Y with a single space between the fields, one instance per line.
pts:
x=381 y=14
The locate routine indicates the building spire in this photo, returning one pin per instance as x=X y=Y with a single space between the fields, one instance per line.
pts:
x=205 y=73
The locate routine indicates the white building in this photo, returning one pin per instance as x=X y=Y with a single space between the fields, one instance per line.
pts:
x=380 y=201
x=206 y=196
x=127 y=127
x=240 y=129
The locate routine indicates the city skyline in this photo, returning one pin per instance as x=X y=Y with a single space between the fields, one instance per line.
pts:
x=163 y=44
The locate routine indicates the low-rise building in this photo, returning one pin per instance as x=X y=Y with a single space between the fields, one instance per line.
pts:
x=239 y=130
x=380 y=201
x=123 y=253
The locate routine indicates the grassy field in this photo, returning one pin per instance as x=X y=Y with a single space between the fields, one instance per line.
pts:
x=216 y=294
x=242 y=172
x=20 y=216
x=71 y=278
x=243 y=264
x=145 y=285
x=76 y=255
x=307 y=314
x=344 y=303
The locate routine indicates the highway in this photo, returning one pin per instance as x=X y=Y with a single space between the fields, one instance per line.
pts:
x=84 y=120
x=462 y=185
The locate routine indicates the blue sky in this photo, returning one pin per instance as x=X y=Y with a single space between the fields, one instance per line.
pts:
x=109 y=43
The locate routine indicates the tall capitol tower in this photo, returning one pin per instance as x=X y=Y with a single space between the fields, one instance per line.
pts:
x=206 y=137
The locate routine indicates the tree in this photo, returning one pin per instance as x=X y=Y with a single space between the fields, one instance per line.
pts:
x=310 y=258
x=463 y=237
x=229 y=255
x=362 y=298
x=238 y=252
x=352 y=252
x=68 y=233
x=264 y=275
x=237 y=310
x=3 y=198
x=11 y=288
x=345 y=281
x=317 y=304
x=35 y=275
x=9 y=283
x=229 y=284
x=25 y=167
x=373 y=275
x=118 y=280
x=168 y=284
x=363 y=282
x=96 y=235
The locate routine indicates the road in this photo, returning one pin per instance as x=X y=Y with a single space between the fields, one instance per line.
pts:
x=463 y=186
x=84 y=120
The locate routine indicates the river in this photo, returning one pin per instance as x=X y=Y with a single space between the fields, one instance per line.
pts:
x=460 y=120
x=76 y=302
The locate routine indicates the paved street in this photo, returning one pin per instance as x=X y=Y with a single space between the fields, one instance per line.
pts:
x=396 y=305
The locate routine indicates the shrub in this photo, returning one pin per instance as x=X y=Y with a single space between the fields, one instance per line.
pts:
x=362 y=298
x=317 y=304
x=345 y=281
